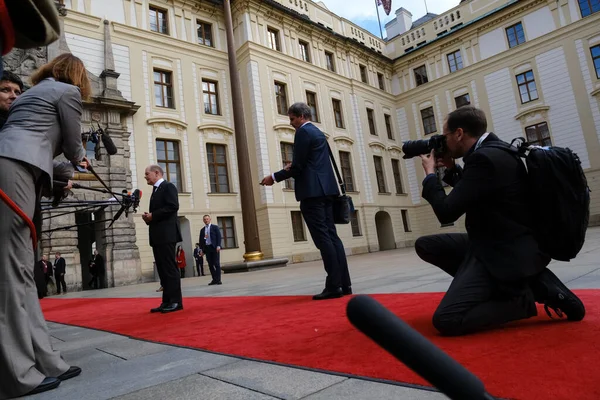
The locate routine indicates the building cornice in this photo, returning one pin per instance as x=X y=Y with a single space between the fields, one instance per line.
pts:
x=471 y=26
x=491 y=63
x=267 y=9
x=151 y=39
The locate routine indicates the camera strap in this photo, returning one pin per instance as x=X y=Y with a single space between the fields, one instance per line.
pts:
x=337 y=172
x=13 y=206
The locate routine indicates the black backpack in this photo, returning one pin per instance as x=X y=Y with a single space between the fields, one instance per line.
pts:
x=560 y=197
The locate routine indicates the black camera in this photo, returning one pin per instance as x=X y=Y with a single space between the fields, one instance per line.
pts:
x=413 y=148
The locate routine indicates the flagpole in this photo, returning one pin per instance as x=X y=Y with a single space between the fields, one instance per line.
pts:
x=426 y=10
x=378 y=20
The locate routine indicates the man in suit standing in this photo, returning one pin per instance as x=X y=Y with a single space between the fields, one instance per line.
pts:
x=499 y=271
x=60 y=268
x=100 y=269
x=39 y=274
x=198 y=256
x=164 y=233
x=210 y=243
x=315 y=189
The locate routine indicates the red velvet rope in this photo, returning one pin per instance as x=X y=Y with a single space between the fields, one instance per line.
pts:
x=6 y=29
x=21 y=214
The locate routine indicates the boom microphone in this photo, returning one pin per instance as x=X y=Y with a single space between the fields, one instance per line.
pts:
x=414 y=350
x=108 y=143
x=135 y=198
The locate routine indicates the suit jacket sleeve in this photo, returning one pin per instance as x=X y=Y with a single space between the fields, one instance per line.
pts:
x=170 y=204
x=201 y=240
x=218 y=235
x=63 y=171
x=477 y=183
x=61 y=266
x=69 y=111
x=299 y=156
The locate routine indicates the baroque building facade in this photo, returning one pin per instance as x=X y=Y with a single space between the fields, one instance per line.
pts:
x=532 y=65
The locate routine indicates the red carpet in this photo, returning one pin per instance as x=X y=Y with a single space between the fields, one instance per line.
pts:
x=534 y=359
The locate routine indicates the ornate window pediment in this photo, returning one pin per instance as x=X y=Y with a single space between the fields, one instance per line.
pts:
x=377 y=146
x=533 y=113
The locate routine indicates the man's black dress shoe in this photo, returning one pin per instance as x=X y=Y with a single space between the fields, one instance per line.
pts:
x=159 y=308
x=171 y=307
x=71 y=373
x=47 y=384
x=329 y=294
x=551 y=292
x=347 y=290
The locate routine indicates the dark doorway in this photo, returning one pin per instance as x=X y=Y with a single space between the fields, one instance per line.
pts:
x=385 y=231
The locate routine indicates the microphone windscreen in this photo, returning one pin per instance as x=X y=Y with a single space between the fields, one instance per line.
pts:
x=109 y=145
x=137 y=193
x=413 y=349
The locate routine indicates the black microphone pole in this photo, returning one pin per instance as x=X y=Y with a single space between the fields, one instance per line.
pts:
x=414 y=350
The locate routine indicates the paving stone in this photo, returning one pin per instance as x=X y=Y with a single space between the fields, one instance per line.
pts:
x=274 y=380
x=89 y=339
x=196 y=387
x=87 y=358
x=357 y=389
x=130 y=348
x=105 y=381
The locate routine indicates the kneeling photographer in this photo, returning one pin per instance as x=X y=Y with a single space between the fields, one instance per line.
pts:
x=499 y=272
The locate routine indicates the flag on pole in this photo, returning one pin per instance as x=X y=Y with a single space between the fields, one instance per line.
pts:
x=387 y=5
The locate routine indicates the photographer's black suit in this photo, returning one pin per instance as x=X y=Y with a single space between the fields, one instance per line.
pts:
x=165 y=233
x=490 y=264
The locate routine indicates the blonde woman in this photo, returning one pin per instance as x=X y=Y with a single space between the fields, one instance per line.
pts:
x=42 y=124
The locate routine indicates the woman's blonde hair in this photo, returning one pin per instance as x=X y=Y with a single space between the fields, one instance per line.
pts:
x=65 y=68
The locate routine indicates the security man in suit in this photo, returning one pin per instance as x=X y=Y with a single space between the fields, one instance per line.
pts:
x=210 y=243
x=499 y=271
x=315 y=189
x=165 y=233
x=60 y=269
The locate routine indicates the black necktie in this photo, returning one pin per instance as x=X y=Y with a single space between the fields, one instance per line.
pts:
x=153 y=189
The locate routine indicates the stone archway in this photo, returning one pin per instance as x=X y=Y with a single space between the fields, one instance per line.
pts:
x=385 y=231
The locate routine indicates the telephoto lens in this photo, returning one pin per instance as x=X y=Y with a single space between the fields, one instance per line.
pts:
x=414 y=148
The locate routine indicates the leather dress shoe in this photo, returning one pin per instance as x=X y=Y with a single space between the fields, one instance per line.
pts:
x=47 y=384
x=329 y=294
x=171 y=308
x=159 y=308
x=347 y=290
x=71 y=373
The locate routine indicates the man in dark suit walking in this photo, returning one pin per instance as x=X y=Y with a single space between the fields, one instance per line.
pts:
x=60 y=269
x=315 y=189
x=499 y=271
x=165 y=233
x=210 y=243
